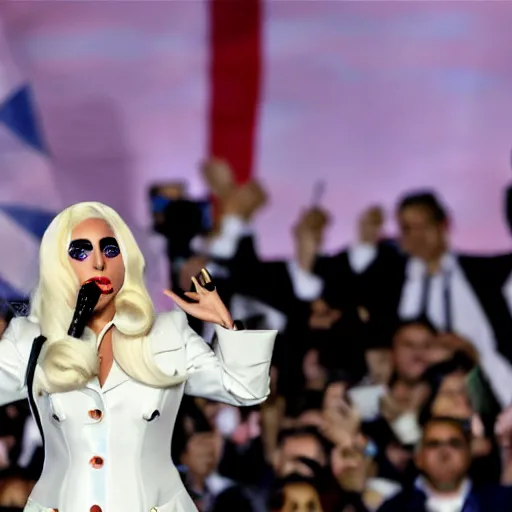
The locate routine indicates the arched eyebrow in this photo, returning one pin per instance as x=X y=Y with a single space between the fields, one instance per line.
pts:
x=108 y=241
x=81 y=243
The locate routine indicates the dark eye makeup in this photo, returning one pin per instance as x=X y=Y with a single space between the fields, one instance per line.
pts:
x=80 y=249
x=109 y=247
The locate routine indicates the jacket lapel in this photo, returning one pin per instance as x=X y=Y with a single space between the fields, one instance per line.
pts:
x=471 y=503
x=115 y=378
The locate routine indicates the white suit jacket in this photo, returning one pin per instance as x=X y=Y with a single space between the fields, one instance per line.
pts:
x=108 y=449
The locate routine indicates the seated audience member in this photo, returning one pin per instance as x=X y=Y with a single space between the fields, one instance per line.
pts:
x=451 y=397
x=295 y=444
x=395 y=430
x=295 y=493
x=234 y=498
x=353 y=463
x=444 y=458
x=14 y=492
x=315 y=374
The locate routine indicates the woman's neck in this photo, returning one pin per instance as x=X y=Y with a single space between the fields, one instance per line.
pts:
x=100 y=319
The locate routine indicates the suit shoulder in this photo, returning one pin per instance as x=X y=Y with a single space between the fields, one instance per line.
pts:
x=496 y=491
x=473 y=257
x=168 y=329
x=176 y=318
x=498 y=266
x=400 y=501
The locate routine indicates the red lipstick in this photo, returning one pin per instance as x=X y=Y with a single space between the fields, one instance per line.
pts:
x=104 y=284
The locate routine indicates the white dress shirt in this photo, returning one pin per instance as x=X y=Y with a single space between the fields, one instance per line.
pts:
x=107 y=449
x=439 y=503
x=309 y=287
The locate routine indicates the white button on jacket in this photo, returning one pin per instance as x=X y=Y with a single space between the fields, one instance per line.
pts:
x=106 y=449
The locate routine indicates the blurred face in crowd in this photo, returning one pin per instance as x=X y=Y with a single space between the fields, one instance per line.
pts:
x=334 y=395
x=411 y=351
x=421 y=236
x=398 y=456
x=350 y=466
x=444 y=456
x=313 y=371
x=285 y=458
x=301 y=497
x=380 y=364
x=345 y=459
x=202 y=454
x=15 y=493
x=452 y=398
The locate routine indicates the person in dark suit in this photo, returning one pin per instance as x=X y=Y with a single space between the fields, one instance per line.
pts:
x=467 y=298
x=444 y=459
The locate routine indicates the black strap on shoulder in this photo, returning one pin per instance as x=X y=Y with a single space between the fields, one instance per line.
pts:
x=37 y=345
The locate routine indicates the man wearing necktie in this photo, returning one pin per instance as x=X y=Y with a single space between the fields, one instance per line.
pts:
x=467 y=298
x=443 y=457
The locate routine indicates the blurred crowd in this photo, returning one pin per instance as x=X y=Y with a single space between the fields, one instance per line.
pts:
x=391 y=379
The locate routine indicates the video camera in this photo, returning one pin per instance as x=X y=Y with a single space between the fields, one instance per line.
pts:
x=178 y=218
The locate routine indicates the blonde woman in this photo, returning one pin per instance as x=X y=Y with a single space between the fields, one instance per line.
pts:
x=107 y=402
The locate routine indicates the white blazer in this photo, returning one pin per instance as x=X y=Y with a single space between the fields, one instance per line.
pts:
x=108 y=449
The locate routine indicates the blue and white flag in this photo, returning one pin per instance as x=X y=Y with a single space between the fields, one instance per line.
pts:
x=28 y=197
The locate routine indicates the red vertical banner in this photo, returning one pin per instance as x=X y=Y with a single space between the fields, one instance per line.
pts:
x=235 y=69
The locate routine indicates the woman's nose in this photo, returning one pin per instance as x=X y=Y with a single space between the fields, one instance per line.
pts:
x=99 y=260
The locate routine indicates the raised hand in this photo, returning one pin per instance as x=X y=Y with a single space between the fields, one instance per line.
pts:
x=309 y=232
x=341 y=425
x=219 y=176
x=208 y=306
x=244 y=200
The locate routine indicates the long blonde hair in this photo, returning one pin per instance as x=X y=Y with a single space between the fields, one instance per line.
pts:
x=67 y=363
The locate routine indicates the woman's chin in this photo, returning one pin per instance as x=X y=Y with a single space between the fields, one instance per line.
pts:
x=106 y=302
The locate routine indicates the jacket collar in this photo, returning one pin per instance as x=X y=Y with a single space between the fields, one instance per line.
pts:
x=417 y=268
x=465 y=493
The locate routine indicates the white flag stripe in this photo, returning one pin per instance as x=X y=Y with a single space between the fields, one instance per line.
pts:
x=18 y=255
x=27 y=175
x=10 y=76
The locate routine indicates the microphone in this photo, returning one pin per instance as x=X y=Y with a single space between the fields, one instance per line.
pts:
x=88 y=297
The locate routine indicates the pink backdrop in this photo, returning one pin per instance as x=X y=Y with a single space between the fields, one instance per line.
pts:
x=372 y=97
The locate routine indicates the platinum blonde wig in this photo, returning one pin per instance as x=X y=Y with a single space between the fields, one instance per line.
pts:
x=68 y=363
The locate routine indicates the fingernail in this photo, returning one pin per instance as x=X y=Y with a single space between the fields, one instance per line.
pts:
x=209 y=286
